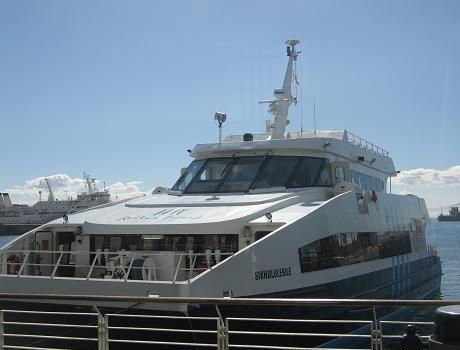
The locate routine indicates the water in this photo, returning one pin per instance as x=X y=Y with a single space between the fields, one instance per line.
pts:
x=446 y=237
x=5 y=239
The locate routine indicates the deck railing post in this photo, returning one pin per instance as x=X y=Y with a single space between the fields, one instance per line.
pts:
x=192 y=267
x=221 y=331
x=3 y=263
x=88 y=276
x=227 y=339
x=106 y=332
x=102 y=331
x=2 y=338
x=130 y=266
x=376 y=333
x=57 y=265
x=221 y=335
x=177 y=268
x=24 y=264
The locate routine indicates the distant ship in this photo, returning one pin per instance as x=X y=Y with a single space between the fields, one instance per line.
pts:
x=454 y=215
x=16 y=219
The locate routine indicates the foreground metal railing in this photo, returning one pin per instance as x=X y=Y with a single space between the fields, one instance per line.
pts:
x=60 y=329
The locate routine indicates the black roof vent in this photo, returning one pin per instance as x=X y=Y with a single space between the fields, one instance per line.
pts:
x=248 y=137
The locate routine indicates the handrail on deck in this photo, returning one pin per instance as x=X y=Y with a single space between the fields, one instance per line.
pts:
x=232 y=301
x=120 y=261
x=362 y=143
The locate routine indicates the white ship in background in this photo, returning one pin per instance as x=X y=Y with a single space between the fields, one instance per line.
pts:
x=20 y=218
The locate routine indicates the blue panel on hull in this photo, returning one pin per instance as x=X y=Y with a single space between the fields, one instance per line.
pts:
x=390 y=283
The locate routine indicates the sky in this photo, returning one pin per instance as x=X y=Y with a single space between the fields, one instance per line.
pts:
x=121 y=89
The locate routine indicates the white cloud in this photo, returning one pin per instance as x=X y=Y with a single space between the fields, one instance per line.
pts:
x=65 y=186
x=429 y=177
x=120 y=190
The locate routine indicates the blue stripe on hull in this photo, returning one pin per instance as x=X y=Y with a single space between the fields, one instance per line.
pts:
x=402 y=280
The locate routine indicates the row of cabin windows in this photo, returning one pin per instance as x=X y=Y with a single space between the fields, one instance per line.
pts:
x=367 y=182
x=242 y=174
x=364 y=181
x=352 y=248
x=180 y=243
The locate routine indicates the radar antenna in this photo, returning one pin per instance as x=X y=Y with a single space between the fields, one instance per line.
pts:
x=283 y=97
x=220 y=119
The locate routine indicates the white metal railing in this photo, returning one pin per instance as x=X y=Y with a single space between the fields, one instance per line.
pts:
x=48 y=327
x=120 y=265
x=360 y=142
x=286 y=334
x=62 y=330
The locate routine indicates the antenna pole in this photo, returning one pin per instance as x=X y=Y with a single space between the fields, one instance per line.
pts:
x=314 y=115
x=301 y=103
x=220 y=134
x=220 y=118
x=279 y=106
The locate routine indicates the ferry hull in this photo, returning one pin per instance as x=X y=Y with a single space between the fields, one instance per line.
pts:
x=448 y=218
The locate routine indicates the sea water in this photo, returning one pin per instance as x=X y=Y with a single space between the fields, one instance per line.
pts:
x=445 y=236
x=5 y=239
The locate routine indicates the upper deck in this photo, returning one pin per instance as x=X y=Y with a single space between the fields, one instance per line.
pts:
x=341 y=143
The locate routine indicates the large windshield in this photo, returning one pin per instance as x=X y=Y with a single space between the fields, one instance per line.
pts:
x=245 y=173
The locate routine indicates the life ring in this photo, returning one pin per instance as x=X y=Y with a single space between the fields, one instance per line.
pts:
x=14 y=264
x=149 y=271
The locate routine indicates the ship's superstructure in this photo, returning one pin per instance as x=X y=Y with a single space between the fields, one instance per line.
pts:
x=25 y=217
x=281 y=214
x=454 y=215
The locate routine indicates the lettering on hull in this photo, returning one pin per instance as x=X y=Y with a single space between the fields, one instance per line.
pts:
x=273 y=273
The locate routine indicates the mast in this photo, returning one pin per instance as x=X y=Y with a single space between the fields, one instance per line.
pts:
x=88 y=184
x=50 y=190
x=283 y=97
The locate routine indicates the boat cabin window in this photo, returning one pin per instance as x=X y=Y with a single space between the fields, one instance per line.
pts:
x=187 y=177
x=261 y=234
x=169 y=243
x=311 y=172
x=366 y=182
x=352 y=248
x=339 y=174
x=272 y=176
x=240 y=174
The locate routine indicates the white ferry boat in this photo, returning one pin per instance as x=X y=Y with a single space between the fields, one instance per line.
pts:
x=20 y=218
x=281 y=214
